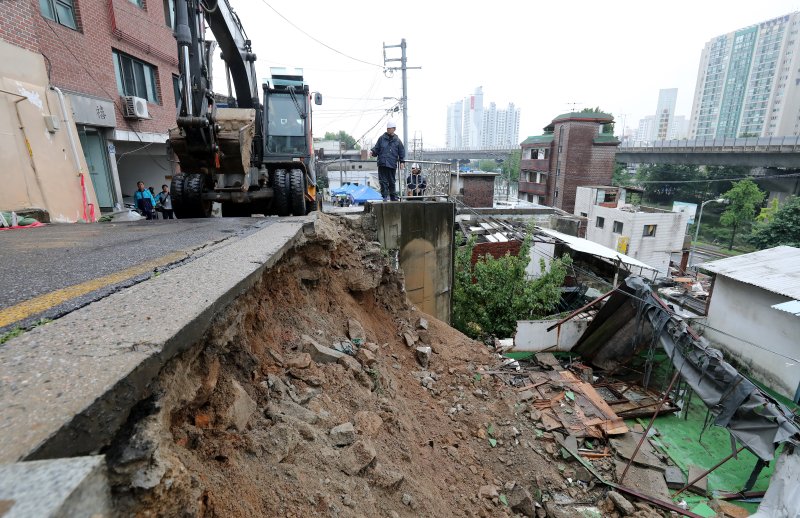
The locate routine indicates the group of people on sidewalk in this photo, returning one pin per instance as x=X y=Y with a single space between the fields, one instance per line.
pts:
x=391 y=154
x=148 y=203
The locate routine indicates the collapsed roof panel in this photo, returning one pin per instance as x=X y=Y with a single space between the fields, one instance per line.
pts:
x=635 y=316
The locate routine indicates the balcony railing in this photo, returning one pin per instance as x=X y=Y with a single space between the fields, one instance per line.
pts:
x=539 y=189
x=535 y=164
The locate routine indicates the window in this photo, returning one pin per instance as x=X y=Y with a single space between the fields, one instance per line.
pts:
x=617 y=227
x=135 y=77
x=169 y=13
x=600 y=223
x=649 y=231
x=139 y=3
x=583 y=214
x=176 y=89
x=62 y=11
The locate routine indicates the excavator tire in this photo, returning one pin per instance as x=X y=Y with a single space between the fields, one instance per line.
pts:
x=177 y=191
x=194 y=206
x=280 y=187
x=297 y=192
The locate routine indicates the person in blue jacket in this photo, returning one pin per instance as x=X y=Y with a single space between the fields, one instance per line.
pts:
x=144 y=201
x=391 y=153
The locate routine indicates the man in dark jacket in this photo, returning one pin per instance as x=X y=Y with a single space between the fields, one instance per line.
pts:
x=416 y=182
x=391 y=153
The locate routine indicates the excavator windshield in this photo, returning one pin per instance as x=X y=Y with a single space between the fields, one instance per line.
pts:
x=286 y=124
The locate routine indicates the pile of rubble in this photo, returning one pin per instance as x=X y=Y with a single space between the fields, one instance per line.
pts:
x=322 y=392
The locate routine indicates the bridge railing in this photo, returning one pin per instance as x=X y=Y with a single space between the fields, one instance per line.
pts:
x=716 y=145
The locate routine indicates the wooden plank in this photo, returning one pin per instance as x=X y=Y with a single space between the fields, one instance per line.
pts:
x=596 y=405
x=550 y=423
x=548 y=360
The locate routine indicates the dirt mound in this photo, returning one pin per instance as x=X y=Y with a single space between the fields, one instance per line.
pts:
x=263 y=419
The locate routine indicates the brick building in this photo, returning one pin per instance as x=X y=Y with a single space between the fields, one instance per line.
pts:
x=100 y=53
x=476 y=189
x=573 y=151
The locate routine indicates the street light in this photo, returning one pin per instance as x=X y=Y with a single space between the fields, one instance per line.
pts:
x=697 y=229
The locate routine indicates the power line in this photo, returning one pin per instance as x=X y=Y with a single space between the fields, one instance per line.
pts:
x=318 y=41
x=751 y=177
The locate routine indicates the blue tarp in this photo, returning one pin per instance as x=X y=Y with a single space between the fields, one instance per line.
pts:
x=345 y=189
x=363 y=193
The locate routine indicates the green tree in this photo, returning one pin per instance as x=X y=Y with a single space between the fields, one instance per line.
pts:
x=607 y=128
x=743 y=200
x=621 y=177
x=343 y=136
x=510 y=167
x=487 y=165
x=782 y=228
x=665 y=183
x=491 y=295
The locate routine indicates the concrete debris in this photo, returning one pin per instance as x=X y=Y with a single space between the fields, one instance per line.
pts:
x=488 y=491
x=240 y=409
x=422 y=323
x=319 y=353
x=409 y=339
x=343 y=435
x=621 y=503
x=350 y=363
x=208 y=383
x=365 y=357
x=423 y=356
x=387 y=478
x=301 y=361
x=357 y=457
x=521 y=501
x=371 y=347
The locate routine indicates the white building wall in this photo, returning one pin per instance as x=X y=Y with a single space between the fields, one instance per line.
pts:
x=739 y=316
x=654 y=251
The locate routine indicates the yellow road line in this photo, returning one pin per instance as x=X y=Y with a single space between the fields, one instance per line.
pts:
x=44 y=302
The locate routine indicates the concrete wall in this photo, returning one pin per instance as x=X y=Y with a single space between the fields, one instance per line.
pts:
x=422 y=233
x=532 y=335
x=39 y=168
x=741 y=315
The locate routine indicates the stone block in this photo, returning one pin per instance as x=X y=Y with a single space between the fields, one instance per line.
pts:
x=241 y=408
x=365 y=357
x=350 y=363
x=357 y=457
x=319 y=353
x=301 y=361
x=343 y=434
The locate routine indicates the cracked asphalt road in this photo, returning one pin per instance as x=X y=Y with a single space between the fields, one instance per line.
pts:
x=49 y=271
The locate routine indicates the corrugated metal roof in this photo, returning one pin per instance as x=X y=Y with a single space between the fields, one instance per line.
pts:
x=580 y=244
x=793 y=307
x=775 y=269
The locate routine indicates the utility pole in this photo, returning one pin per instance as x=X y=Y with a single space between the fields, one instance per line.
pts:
x=403 y=68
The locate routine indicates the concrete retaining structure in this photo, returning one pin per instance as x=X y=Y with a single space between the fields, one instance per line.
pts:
x=422 y=233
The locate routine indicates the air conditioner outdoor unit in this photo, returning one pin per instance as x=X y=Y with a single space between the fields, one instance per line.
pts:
x=134 y=107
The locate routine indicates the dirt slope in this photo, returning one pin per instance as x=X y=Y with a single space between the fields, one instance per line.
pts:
x=241 y=424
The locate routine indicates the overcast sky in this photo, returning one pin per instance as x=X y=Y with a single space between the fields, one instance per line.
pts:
x=541 y=55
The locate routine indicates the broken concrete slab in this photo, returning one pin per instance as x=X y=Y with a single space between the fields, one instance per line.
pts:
x=645 y=480
x=674 y=477
x=422 y=323
x=625 y=445
x=319 y=353
x=60 y=487
x=700 y=486
x=521 y=501
x=409 y=339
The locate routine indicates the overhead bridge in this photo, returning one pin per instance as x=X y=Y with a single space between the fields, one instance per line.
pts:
x=449 y=154
x=768 y=152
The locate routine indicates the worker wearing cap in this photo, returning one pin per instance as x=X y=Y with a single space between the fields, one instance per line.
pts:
x=415 y=182
x=391 y=153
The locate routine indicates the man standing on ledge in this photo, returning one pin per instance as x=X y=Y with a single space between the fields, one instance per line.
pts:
x=390 y=152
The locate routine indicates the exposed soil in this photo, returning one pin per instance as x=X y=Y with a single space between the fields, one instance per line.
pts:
x=241 y=424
